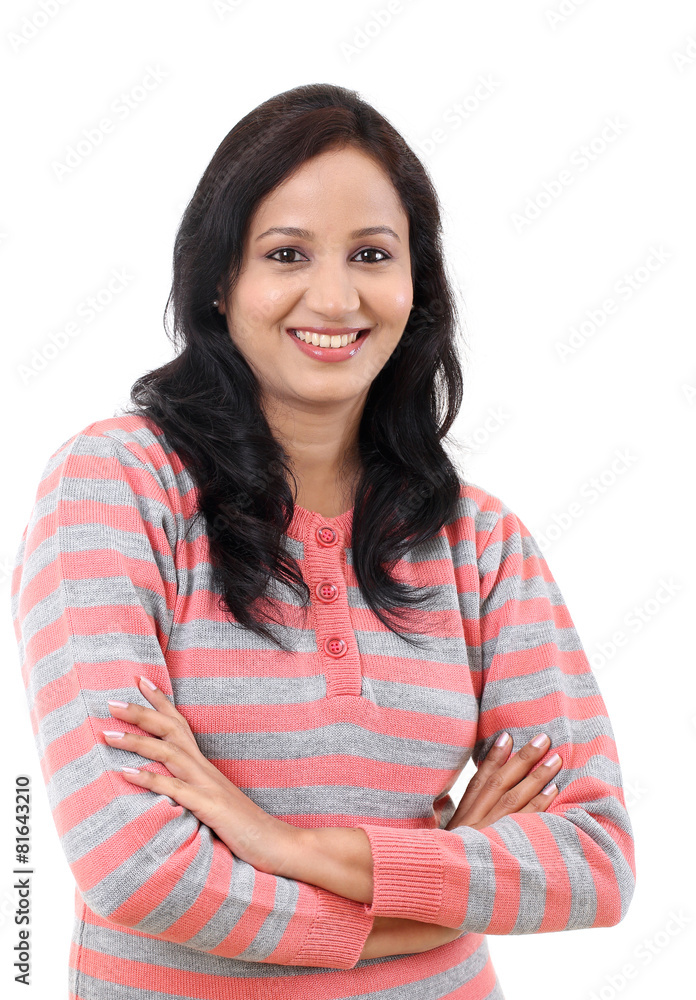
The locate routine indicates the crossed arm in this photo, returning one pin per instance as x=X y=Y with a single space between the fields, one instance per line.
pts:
x=338 y=859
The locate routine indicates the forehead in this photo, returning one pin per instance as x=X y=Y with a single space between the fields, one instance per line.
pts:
x=338 y=188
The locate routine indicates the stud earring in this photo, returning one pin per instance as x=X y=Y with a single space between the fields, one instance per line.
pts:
x=215 y=302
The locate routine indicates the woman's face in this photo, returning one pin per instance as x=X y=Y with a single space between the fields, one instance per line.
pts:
x=328 y=278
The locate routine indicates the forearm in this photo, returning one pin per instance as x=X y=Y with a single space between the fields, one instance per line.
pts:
x=335 y=858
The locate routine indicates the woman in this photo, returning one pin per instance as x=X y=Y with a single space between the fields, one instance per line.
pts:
x=264 y=622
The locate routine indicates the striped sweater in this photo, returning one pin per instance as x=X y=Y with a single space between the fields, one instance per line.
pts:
x=113 y=579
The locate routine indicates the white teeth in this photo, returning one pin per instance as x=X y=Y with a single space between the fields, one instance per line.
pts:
x=324 y=340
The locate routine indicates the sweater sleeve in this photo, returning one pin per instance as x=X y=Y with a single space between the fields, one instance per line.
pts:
x=93 y=598
x=571 y=866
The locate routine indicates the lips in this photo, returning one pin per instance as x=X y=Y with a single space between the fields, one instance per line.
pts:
x=330 y=353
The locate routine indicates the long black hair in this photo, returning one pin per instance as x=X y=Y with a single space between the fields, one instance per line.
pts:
x=207 y=399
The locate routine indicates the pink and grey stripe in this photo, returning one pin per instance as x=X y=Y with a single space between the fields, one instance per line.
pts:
x=113 y=579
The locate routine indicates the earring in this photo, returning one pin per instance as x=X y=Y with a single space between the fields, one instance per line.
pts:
x=215 y=302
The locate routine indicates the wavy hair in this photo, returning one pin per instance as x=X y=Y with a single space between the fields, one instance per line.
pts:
x=206 y=400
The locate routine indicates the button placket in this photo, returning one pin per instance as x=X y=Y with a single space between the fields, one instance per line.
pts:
x=336 y=643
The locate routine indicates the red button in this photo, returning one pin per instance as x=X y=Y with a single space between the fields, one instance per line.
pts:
x=326 y=591
x=326 y=535
x=335 y=647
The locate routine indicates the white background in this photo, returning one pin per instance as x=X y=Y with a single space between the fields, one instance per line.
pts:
x=539 y=425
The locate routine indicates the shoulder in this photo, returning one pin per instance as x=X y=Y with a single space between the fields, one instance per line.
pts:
x=128 y=447
x=128 y=433
x=483 y=522
x=477 y=513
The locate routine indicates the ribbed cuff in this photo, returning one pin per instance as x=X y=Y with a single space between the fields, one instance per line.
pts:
x=408 y=873
x=338 y=933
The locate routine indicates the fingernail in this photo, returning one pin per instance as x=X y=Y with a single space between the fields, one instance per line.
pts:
x=552 y=788
x=502 y=739
x=131 y=770
x=111 y=732
x=119 y=704
x=146 y=680
x=552 y=761
x=539 y=740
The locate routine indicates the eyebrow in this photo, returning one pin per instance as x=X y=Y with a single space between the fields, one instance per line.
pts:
x=306 y=234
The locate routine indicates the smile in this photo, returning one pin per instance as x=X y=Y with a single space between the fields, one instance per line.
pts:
x=319 y=346
x=326 y=340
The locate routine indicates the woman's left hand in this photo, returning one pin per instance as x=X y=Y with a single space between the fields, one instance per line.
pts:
x=251 y=834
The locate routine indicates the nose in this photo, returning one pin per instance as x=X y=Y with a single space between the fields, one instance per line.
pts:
x=331 y=291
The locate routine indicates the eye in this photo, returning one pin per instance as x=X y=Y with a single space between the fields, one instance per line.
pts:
x=291 y=250
x=385 y=256
x=283 y=250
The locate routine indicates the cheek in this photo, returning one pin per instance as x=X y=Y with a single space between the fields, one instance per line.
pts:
x=259 y=303
x=399 y=297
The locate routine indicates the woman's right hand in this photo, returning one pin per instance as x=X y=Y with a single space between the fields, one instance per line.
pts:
x=502 y=784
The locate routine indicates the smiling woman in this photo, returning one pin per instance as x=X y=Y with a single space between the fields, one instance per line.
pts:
x=327 y=284
x=248 y=763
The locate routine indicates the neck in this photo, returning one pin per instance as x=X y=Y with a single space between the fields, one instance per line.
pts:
x=322 y=448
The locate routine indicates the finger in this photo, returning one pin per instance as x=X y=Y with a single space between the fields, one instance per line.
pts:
x=174 y=758
x=495 y=780
x=185 y=794
x=162 y=720
x=159 y=700
x=149 y=719
x=543 y=800
x=517 y=798
x=155 y=695
x=493 y=760
x=534 y=788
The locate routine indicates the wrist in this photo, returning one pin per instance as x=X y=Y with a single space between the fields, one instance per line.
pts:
x=289 y=844
x=338 y=859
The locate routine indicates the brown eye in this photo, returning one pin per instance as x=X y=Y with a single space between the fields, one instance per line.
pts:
x=283 y=250
x=373 y=250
